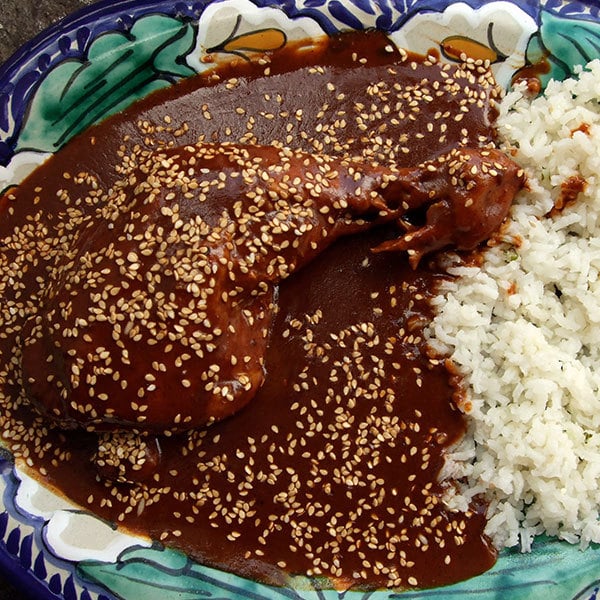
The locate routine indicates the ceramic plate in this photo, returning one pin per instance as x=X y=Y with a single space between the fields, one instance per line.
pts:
x=51 y=547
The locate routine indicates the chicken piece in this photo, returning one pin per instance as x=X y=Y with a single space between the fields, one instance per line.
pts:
x=157 y=318
x=473 y=192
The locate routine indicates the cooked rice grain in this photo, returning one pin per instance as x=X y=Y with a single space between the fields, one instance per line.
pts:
x=525 y=330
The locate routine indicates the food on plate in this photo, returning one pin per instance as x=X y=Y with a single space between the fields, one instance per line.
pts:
x=155 y=290
x=183 y=257
x=522 y=328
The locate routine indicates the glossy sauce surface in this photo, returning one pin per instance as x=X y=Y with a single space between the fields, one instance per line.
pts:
x=332 y=468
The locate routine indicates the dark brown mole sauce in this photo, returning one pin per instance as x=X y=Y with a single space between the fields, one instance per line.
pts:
x=332 y=470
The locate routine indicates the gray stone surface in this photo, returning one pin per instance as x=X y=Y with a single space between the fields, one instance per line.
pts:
x=20 y=20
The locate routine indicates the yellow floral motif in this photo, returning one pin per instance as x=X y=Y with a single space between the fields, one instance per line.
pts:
x=497 y=31
x=262 y=40
x=241 y=28
x=455 y=46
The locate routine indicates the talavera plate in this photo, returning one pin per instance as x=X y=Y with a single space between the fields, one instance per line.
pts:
x=52 y=548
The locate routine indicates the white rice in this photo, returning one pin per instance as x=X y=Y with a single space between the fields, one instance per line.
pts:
x=532 y=357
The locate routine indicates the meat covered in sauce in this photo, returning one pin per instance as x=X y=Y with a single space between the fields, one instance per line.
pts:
x=156 y=289
x=183 y=258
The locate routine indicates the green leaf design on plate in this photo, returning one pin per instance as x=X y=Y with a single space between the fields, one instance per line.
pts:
x=554 y=570
x=166 y=574
x=119 y=68
x=563 y=44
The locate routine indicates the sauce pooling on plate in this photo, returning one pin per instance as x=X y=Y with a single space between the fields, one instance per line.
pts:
x=330 y=465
